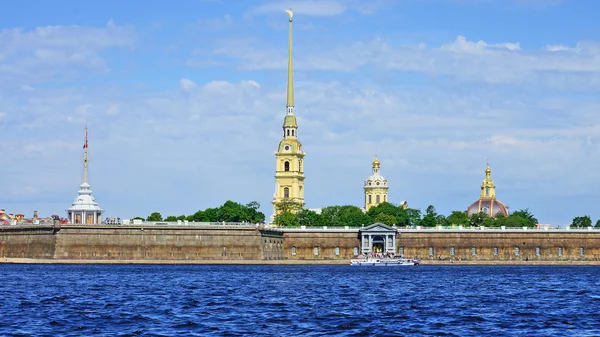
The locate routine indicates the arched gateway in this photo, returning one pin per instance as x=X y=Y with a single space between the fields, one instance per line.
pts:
x=378 y=238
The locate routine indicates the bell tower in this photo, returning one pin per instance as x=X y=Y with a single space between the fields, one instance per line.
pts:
x=289 y=168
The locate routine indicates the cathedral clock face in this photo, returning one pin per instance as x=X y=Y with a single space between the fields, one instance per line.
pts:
x=286 y=147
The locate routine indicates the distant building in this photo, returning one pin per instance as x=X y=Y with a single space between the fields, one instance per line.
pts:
x=85 y=209
x=487 y=202
x=376 y=187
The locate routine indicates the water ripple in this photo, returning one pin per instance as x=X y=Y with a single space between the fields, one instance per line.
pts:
x=129 y=300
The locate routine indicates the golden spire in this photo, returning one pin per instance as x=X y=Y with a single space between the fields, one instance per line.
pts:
x=488 y=189
x=290 y=81
x=376 y=162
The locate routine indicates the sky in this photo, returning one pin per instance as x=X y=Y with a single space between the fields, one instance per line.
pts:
x=185 y=102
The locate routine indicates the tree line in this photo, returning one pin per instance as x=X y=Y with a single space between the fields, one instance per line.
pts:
x=230 y=211
x=292 y=214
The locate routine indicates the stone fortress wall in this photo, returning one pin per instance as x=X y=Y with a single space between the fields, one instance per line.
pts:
x=212 y=243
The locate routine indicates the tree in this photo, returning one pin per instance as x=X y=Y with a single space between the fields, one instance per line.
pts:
x=597 y=224
x=526 y=214
x=458 y=218
x=309 y=218
x=155 y=216
x=286 y=219
x=352 y=216
x=138 y=218
x=429 y=220
x=477 y=219
x=414 y=216
x=582 y=221
x=385 y=219
x=171 y=218
x=289 y=205
x=253 y=214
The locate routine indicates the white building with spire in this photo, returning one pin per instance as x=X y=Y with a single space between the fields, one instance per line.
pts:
x=85 y=209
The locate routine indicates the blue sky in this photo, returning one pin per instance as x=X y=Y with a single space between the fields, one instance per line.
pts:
x=185 y=102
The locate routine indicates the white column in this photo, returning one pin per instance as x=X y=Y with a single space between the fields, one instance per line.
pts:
x=95 y=218
x=385 y=242
x=394 y=243
x=72 y=217
x=83 y=218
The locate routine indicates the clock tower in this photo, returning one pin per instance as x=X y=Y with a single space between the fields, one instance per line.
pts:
x=289 y=166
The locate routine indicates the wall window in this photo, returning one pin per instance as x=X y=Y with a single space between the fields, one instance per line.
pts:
x=377 y=199
x=518 y=251
x=581 y=251
x=337 y=251
x=560 y=251
x=292 y=132
x=286 y=166
x=384 y=198
x=294 y=251
x=370 y=199
x=286 y=192
x=538 y=251
x=487 y=191
x=495 y=251
x=401 y=250
x=316 y=250
x=430 y=251
x=355 y=251
x=288 y=132
x=452 y=251
x=474 y=251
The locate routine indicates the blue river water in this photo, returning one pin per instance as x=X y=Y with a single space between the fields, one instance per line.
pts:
x=293 y=300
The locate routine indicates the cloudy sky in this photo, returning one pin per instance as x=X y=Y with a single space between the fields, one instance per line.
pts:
x=185 y=102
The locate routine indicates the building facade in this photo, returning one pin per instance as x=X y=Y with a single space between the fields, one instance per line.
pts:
x=289 y=157
x=487 y=202
x=85 y=209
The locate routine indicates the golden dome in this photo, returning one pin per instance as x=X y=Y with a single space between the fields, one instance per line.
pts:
x=376 y=163
x=487 y=170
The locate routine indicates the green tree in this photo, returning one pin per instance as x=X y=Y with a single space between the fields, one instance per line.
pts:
x=155 y=216
x=414 y=216
x=597 y=224
x=441 y=220
x=385 y=219
x=330 y=216
x=289 y=205
x=527 y=215
x=352 y=216
x=287 y=219
x=582 y=221
x=253 y=215
x=458 y=218
x=516 y=221
x=138 y=218
x=171 y=218
x=309 y=218
x=477 y=219
x=430 y=218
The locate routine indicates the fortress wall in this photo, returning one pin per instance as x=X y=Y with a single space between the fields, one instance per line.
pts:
x=163 y=243
x=306 y=241
x=418 y=243
x=27 y=241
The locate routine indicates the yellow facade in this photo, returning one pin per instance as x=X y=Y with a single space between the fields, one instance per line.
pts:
x=289 y=169
x=376 y=187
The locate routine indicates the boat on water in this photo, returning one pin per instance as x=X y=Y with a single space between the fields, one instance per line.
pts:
x=383 y=262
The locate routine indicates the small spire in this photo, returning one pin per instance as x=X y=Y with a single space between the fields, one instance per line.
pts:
x=85 y=157
x=290 y=81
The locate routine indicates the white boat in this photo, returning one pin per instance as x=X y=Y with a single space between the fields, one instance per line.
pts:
x=383 y=262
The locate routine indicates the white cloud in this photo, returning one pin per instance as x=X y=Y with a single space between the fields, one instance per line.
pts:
x=44 y=52
x=187 y=85
x=2 y=115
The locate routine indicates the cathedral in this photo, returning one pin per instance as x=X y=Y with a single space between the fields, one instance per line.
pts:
x=487 y=202
x=289 y=174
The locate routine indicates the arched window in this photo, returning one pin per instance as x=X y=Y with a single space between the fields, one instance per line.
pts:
x=560 y=251
x=430 y=251
x=377 y=198
x=474 y=251
x=294 y=250
x=337 y=251
x=487 y=191
x=286 y=192
x=370 y=199
x=286 y=166
x=581 y=251
x=517 y=251
x=288 y=132
x=292 y=132
x=452 y=251
x=384 y=198
x=316 y=250
x=355 y=251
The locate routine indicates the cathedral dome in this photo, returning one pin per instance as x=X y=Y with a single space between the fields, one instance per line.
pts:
x=491 y=207
x=376 y=163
